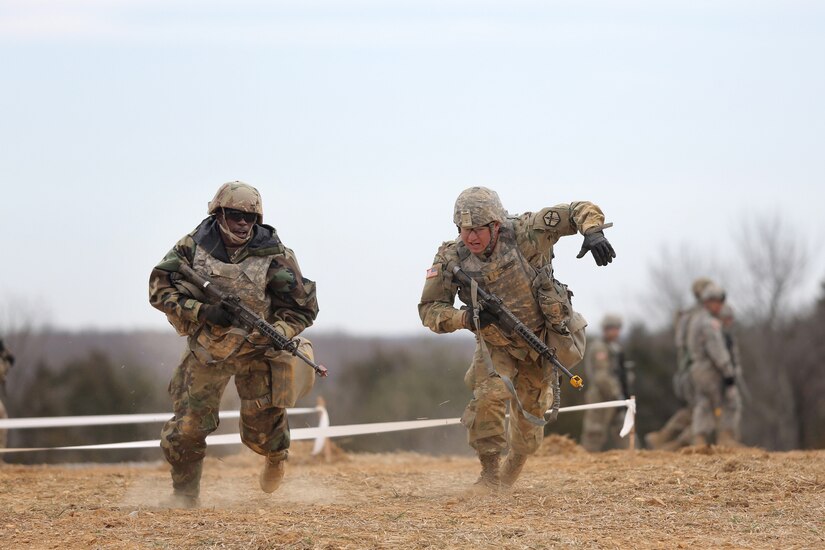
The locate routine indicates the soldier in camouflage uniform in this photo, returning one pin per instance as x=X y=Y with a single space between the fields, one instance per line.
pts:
x=511 y=257
x=241 y=255
x=711 y=369
x=608 y=378
x=6 y=362
x=677 y=430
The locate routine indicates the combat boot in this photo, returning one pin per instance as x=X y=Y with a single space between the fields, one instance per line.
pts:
x=489 y=477
x=186 y=482
x=513 y=465
x=273 y=472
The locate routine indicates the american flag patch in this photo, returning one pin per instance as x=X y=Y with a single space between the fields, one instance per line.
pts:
x=432 y=272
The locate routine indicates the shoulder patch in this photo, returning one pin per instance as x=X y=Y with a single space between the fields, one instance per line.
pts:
x=432 y=272
x=552 y=218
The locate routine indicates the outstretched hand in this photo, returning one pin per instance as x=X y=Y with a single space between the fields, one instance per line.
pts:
x=598 y=245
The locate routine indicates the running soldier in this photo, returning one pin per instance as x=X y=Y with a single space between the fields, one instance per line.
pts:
x=510 y=257
x=240 y=255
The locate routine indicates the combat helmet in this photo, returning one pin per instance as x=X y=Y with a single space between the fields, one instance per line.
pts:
x=476 y=207
x=713 y=292
x=611 y=320
x=699 y=285
x=238 y=196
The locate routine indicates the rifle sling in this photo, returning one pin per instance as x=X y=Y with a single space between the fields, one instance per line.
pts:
x=488 y=362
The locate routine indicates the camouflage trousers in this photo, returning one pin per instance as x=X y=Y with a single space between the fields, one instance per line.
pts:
x=485 y=415
x=601 y=426
x=196 y=389
x=716 y=409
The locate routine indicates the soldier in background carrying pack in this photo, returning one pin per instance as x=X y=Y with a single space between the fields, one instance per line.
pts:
x=608 y=378
x=242 y=256
x=6 y=363
x=511 y=258
x=677 y=430
x=711 y=369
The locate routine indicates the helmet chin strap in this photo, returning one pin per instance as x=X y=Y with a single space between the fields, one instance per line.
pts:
x=493 y=239
x=230 y=238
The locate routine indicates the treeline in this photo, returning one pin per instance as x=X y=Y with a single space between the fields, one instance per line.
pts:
x=376 y=380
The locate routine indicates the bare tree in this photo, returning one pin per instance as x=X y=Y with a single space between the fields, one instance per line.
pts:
x=776 y=262
x=671 y=277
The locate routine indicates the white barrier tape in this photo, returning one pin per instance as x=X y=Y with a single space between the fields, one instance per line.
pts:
x=629 y=417
x=112 y=419
x=323 y=432
x=299 y=434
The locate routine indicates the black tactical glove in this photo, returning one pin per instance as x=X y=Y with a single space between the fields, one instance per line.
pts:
x=485 y=319
x=216 y=315
x=729 y=381
x=599 y=246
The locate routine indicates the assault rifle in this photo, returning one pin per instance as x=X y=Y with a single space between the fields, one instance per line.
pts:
x=505 y=319
x=248 y=318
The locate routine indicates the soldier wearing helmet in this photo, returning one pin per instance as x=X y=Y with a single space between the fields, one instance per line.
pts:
x=711 y=368
x=511 y=256
x=677 y=430
x=243 y=256
x=609 y=377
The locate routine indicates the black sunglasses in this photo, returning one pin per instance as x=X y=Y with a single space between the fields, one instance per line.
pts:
x=237 y=215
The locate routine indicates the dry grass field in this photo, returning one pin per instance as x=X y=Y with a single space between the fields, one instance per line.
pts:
x=698 y=498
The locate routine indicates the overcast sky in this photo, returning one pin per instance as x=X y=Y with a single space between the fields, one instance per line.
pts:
x=361 y=121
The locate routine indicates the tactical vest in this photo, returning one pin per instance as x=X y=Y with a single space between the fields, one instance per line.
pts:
x=247 y=280
x=508 y=275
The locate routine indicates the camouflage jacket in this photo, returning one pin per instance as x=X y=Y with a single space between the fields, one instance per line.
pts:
x=603 y=368
x=706 y=344
x=535 y=234
x=680 y=332
x=293 y=302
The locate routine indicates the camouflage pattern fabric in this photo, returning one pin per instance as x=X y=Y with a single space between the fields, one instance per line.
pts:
x=711 y=363
x=6 y=360
x=485 y=414
x=266 y=276
x=601 y=370
x=196 y=391
x=3 y=433
x=729 y=423
x=238 y=195
x=476 y=207
x=292 y=297
x=526 y=245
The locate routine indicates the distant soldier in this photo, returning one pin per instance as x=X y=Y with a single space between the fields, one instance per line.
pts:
x=729 y=431
x=711 y=369
x=677 y=430
x=609 y=378
x=241 y=255
x=6 y=363
x=510 y=257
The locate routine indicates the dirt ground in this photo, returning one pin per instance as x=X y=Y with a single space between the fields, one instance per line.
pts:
x=565 y=499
